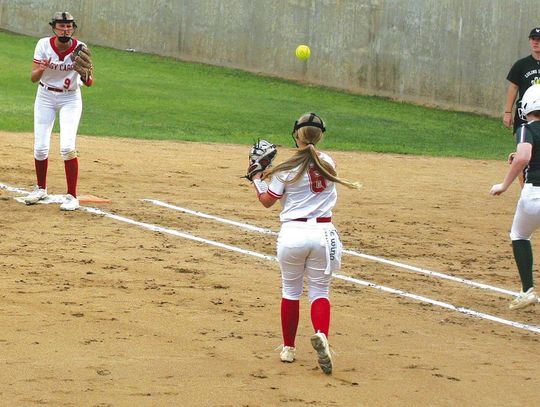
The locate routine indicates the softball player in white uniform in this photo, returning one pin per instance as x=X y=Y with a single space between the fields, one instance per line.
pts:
x=525 y=160
x=308 y=242
x=58 y=92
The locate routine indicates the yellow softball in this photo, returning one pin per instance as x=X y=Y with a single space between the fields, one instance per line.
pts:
x=303 y=52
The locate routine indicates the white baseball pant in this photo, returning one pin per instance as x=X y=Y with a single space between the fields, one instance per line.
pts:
x=527 y=216
x=47 y=104
x=303 y=248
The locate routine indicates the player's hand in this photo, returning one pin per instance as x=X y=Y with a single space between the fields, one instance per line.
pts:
x=508 y=120
x=497 y=189
x=43 y=65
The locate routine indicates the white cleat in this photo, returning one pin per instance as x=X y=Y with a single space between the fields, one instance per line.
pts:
x=35 y=196
x=320 y=344
x=524 y=299
x=70 y=204
x=288 y=354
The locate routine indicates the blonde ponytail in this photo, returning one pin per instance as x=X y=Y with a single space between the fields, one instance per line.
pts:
x=310 y=135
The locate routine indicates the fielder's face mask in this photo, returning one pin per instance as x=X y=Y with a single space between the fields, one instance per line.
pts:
x=66 y=18
x=309 y=122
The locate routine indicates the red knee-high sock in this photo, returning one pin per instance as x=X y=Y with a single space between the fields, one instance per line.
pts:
x=290 y=315
x=72 y=173
x=320 y=315
x=41 y=172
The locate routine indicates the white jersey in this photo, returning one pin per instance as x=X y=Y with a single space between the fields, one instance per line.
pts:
x=312 y=196
x=60 y=73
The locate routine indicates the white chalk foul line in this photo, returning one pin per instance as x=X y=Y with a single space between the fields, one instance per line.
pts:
x=13 y=189
x=466 y=311
x=160 y=229
x=433 y=273
x=350 y=252
x=155 y=228
x=174 y=232
x=365 y=283
x=212 y=217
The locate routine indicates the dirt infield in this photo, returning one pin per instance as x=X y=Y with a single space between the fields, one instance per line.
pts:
x=98 y=312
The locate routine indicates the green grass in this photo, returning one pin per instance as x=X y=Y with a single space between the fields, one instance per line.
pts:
x=151 y=97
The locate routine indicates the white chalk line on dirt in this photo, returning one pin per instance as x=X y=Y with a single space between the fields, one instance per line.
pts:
x=350 y=252
x=365 y=283
x=13 y=189
x=174 y=232
x=160 y=229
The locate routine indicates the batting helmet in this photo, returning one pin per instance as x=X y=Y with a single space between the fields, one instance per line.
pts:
x=62 y=17
x=530 y=101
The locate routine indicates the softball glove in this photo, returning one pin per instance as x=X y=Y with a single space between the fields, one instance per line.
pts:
x=261 y=156
x=82 y=59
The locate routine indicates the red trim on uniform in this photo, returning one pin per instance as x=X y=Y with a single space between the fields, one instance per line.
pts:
x=62 y=55
x=273 y=194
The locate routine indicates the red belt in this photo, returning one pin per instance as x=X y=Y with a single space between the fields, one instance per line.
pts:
x=52 y=89
x=318 y=220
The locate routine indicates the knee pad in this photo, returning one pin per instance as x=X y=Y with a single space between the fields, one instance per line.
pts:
x=41 y=154
x=68 y=154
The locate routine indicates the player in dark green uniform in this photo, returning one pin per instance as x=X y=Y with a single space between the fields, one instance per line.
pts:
x=524 y=73
x=526 y=160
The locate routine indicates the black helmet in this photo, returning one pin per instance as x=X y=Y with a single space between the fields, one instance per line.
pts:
x=310 y=122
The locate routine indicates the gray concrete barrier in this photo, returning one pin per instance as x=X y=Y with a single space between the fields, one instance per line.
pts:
x=451 y=54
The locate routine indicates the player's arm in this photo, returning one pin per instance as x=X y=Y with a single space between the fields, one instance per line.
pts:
x=38 y=68
x=519 y=162
x=267 y=200
x=262 y=191
x=521 y=178
x=511 y=95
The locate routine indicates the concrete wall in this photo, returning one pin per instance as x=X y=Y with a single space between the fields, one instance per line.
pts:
x=447 y=53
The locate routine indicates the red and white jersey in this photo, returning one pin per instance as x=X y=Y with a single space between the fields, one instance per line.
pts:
x=60 y=73
x=312 y=196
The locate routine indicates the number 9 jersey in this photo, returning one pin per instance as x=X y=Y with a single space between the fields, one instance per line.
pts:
x=60 y=73
x=312 y=196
